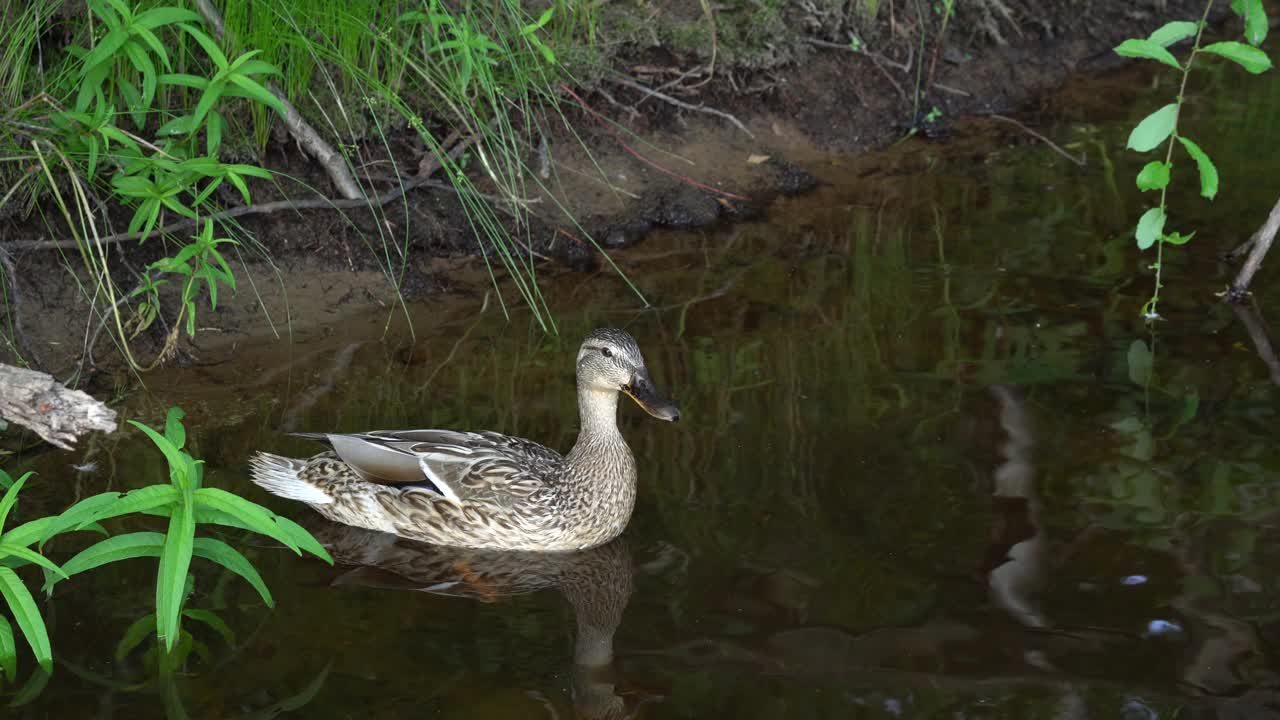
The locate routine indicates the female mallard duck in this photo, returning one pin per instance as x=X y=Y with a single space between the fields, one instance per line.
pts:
x=487 y=490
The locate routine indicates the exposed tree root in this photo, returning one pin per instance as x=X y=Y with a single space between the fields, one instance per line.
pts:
x=649 y=92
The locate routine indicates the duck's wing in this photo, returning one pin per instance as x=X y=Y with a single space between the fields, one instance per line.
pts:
x=461 y=466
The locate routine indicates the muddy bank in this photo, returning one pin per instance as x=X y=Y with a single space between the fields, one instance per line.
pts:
x=623 y=164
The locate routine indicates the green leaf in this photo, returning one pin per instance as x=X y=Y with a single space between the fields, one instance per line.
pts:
x=1178 y=238
x=207 y=100
x=259 y=93
x=231 y=559
x=184 y=80
x=214 y=622
x=1173 y=32
x=1150 y=225
x=1154 y=128
x=1246 y=56
x=156 y=17
x=171 y=453
x=111 y=550
x=1255 y=21
x=175 y=560
x=1140 y=361
x=27 y=615
x=32 y=557
x=153 y=42
x=180 y=125
x=253 y=515
x=31 y=689
x=10 y=499
x=213 y=133
x=80 y=514
x=305 y=540
x=173 y=429
x=138 y=631
x=1208 y=173
x=140 y=500
x=8 y=651
x=1154 y=176
x=210 y=47
x=1147 y=49
x=103 y=51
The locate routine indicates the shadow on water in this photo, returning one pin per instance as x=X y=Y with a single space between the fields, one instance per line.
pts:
x=933 y=464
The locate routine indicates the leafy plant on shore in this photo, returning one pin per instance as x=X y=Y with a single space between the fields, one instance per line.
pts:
x=1161 y=127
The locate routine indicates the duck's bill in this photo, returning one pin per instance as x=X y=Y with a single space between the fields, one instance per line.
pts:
x=647 y=396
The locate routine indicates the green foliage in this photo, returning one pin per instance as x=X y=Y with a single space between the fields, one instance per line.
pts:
x=186 y=504
x=15 y=551
x=1161 y=127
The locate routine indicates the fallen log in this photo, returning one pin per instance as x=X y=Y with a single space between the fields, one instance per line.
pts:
x=53 y=411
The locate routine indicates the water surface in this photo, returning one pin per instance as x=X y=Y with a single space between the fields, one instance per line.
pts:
x=932 y=464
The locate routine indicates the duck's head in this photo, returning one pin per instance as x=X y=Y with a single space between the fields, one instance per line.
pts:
x=610 y=361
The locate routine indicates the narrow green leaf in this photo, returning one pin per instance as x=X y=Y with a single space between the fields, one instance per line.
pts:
x=213 y=133
x=305 y=539
x=31 y=689
x=1154 y=176
x=231 y=559
x=1154 y=128
x=1150 y=225
x=206 y=102
x=210 y=47
x=10 y=499
x=172 y=454
x=175 y=560
x=156 y=17
x=8 y=651
x=1178 y=238
x=80 y=514
x=32 y=557
x=1147 y=49
x=27 y=615
x=152 y=496
x=138 y=631
x=115 y=549
x=259 y=93
x=1255 y=22
x=213 y=621
x=184 y=80
x=1208 y=173
x=153 y=42
x=258 y=518
x=1246 y=56
x=102 y=52
x=1173 y=32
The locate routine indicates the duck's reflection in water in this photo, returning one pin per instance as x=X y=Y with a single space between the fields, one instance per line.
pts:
x=597 y=583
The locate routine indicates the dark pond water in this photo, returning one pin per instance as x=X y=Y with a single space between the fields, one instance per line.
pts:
x=933 y=464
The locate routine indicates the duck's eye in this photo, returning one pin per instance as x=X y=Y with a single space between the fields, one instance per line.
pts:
x=606 y=352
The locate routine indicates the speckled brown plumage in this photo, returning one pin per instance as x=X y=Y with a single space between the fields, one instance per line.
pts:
x=485 y=489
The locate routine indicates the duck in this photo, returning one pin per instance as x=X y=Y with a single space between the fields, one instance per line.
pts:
x=487 y=490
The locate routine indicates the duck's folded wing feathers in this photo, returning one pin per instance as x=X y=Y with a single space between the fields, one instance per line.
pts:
x=486 y=467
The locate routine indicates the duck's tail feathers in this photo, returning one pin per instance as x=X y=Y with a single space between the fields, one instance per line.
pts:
x=280 y=476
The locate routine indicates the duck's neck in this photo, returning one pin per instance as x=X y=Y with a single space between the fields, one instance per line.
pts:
x=598 y=412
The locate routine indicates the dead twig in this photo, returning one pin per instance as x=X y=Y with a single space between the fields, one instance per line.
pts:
x=35 y=400
x=650 y=92
x=1054 y=146
x=1258 y=246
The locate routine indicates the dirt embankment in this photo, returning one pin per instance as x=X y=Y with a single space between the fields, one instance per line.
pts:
x=755 y=101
